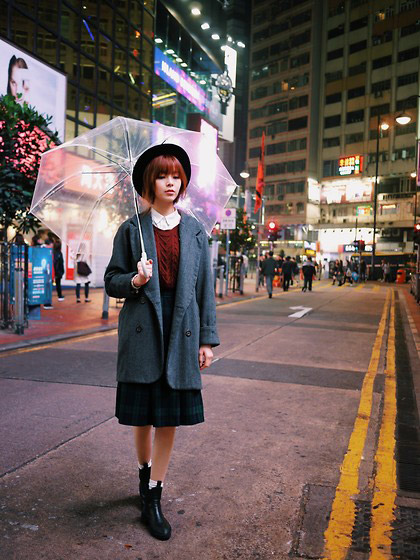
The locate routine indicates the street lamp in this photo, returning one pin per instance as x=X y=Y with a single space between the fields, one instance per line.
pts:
x=379 y=128
x=244 y=174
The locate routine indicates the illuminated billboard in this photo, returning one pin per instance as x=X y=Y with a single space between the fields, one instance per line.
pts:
x=179 y=80
x=28 y=79
x=350 y=165
x=353 y=190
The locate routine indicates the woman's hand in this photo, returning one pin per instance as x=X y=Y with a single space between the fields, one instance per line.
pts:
x=205 y=356
x=140 y=279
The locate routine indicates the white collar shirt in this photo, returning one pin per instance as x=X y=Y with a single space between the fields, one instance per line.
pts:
x=165 y=222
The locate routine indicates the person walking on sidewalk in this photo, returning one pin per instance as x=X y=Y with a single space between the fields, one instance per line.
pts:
x=82 y=272
x=167 y=325
x=58 y=263
x=287 y=270
x=269 y=268
x=309 y=270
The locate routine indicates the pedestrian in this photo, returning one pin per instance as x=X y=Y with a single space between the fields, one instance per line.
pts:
x=82 y=272
x=269 y=269
x=168 y=322
x=260 y=270
x=246 y=264
x=287 y=270
x=387 y=271
x=309 y=271
x=58 y=263
x=47 y=272
x=320 y=268
x=362 y=270
x=295 y=273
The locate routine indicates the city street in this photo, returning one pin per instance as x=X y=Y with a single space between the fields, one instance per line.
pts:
x=295 y=458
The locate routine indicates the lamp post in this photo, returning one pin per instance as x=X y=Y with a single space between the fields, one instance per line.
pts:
x=244 y=174
x=379 y=128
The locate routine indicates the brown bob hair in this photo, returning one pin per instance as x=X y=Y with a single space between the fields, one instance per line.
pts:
x=162 y=164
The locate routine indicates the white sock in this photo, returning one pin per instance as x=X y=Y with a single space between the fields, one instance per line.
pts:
x=149 y=464
x=153 y=484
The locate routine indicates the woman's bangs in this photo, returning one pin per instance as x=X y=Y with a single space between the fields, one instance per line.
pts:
x=168 y=165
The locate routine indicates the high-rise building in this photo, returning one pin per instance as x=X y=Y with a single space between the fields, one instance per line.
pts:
x=284 y=103
x=370 y=76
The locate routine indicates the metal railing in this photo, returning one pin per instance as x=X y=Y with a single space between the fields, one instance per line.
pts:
x=13 y=286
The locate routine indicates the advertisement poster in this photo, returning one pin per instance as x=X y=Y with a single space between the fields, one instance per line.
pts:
x=40 y=267
x=39 y=85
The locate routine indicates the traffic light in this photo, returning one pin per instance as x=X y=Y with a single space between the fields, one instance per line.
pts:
x=360 y=244
x=272 y=230
x=416 y=235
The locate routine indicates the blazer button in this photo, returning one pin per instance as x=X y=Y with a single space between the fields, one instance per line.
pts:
x=139 y=329
x=187 y=333
x=142 y=299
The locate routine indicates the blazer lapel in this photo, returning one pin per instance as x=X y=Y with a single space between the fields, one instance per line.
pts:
x=190 y=242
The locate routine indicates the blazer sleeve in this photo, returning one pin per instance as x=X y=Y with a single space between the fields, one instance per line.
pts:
x=206 y=298
x=119 y=272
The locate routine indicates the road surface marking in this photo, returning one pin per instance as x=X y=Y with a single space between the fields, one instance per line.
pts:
x=303 y=311
x=338 y=533
x=385 y=483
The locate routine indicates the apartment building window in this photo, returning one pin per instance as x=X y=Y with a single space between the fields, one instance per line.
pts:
x=373 y=134
x=331 y=142
x=408 y=54
x=259 y=72
x=262 y=54
x=379 y=110
x=258 y=113
x=299 y=60
x=261 y=17
x=356 y=92
x=256 y=132
x=297 y=124
x=298 y=81
x=337 y=53
x=278 y=148
x=301 y=39
x=354 y=138
x=358 y=23
x=383 y=38
x=336 y=32
x=295 y=145
x=330 y=122
x=410 y=5
x=384 y=13
x=404 y=153
x=276 y=127
x=381 y=62
x=259 y=92
x=409 y=103
x=254 y=152
x=333 y=98
x=383 y=156
x=301 y=18
x=278 y=48
x=357 y=3
x=261 y=35
x=289 y=208
x=356 y=47
x=286 y=167
x=274 y=108
x=300 y=208
x=379 y=87
x=252 y=171
x=333 y=76
x=298 y=102
x=357 y=69
x=355 y=116
x=410 y=29
x=406 y=129
x=336 y=10
x=407 y=79
x=330 y=167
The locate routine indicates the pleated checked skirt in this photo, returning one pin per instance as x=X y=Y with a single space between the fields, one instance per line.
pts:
x=157 y=404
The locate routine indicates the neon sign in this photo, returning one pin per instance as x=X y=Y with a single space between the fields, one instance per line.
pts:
x=179 y=80
x=350 y=165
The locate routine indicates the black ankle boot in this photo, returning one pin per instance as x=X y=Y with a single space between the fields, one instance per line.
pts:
x=144 y=477
x=154 y=518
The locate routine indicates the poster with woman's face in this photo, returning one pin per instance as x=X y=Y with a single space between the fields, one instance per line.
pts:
x=30 y=80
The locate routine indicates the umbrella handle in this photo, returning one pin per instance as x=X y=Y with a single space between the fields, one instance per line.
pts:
x=143 y=262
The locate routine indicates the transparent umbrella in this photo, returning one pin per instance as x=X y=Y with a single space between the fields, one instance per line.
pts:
x=84 y=186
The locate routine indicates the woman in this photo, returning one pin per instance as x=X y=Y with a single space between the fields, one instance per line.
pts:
x=167 y=325
x=82 y=273
x=58 y=262
x=18 y=81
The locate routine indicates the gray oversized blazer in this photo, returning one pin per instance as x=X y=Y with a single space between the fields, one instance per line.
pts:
x=140 y=333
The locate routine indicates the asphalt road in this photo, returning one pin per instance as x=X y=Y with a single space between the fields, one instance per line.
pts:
x=275 y=470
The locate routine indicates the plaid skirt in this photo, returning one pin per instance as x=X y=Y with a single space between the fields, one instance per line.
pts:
x=157 y=404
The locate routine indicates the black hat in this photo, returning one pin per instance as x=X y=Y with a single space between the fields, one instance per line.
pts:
x=155 y=151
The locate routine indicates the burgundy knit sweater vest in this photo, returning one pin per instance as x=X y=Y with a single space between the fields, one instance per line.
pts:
x=167 y=248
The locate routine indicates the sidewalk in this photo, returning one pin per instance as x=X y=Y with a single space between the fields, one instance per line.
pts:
x=70 y=319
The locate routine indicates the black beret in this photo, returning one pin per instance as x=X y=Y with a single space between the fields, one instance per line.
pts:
x=159 y=150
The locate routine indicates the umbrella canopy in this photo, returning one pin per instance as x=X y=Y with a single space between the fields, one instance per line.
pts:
x=85 y=184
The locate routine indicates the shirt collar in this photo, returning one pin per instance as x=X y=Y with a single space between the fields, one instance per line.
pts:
x=165 y=222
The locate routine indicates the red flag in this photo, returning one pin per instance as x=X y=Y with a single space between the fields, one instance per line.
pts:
x=260 y=178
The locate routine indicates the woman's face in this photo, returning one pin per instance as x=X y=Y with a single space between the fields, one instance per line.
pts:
x=18 y=84
x=167 y=186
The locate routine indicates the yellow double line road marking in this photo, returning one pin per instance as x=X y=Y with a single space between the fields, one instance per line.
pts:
x=338 y=533
x=385 y=484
